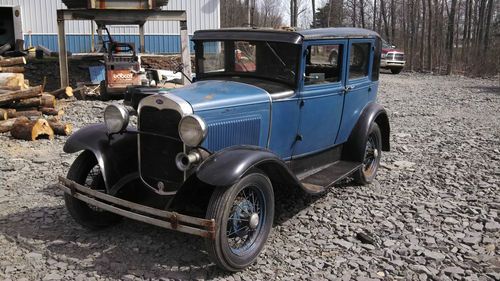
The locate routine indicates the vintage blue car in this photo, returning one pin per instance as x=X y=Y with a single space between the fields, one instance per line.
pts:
x=269 y=109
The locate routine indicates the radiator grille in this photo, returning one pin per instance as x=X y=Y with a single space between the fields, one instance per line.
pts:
x=397 y=56
x=223 y=134
x=157 y=153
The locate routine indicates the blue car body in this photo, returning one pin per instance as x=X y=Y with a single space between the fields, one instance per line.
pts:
x=290 y=128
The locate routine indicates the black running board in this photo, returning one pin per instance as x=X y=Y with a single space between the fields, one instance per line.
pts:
x=328 y=176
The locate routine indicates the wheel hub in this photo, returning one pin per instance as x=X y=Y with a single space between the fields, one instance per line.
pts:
x=375 y=153
x=253 y=221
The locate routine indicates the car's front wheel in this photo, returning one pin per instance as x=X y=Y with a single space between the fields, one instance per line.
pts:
x=372 y=154
x=396 y=70
x=86 y=171
x=243 y=215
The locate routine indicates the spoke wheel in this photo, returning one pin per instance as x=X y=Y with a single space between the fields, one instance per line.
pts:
x=243 y=215
x=87 y=172
x=372 y=155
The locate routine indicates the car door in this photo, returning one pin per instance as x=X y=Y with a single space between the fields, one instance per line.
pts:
x=361 y=87
x=321 y=96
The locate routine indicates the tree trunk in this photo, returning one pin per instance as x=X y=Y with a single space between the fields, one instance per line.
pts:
x=384 y=17
x=19 y=95
x=488 y=25
x=51 y=111
x=429 y=37
x=362 y=12
x=450 y=36
x=354 y=13
x=374 y=15
x=28 y=113
x=422 y=41
x=26 y=129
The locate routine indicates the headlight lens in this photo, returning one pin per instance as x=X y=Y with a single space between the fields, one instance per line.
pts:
x=383 y=56
x=116 y=118
x=192 y=130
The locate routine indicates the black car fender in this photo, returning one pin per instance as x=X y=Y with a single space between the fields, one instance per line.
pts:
x=227 y=166
x=116 y=155
x=354 y=148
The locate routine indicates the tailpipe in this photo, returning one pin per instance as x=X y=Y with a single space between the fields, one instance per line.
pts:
x=185 y=161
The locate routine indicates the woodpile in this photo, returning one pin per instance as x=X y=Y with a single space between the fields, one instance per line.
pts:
x=27 y=112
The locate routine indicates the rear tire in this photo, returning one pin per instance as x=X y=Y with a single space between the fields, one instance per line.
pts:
x=372 y=154
x=85 y=171
x=243 y=215
x=396 y=70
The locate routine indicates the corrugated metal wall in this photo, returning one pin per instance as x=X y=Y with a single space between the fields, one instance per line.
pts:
x=39 y=19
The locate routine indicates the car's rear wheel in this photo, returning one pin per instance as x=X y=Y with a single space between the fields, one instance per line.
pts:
x=396 y=70
x=372 y=154
x=86 y=171
x=243 y=215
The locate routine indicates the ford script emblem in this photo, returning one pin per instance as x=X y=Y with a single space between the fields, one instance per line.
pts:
x=159 y=101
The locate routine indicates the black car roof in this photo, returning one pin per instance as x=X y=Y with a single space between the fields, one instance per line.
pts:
x=276 y=35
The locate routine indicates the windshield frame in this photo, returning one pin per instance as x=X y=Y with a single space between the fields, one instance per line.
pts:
x=198 y=47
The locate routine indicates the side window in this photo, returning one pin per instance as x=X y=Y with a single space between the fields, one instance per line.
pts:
x=323 y=64
x=359 y=60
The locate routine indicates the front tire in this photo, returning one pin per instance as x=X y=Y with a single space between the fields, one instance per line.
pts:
x=243 y=215
x=373 y=152
x=85 y=171
x=396 y=70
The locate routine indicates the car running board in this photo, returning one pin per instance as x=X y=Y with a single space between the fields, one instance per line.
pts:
x=328 y=176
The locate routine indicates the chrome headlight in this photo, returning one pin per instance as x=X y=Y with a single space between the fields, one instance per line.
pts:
x=116 y=118
x=192 y=130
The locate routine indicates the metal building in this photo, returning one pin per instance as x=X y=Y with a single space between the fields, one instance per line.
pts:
x=39 y=25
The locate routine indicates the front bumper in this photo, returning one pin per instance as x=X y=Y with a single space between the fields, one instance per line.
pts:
x=169 y=220
x=392 y=64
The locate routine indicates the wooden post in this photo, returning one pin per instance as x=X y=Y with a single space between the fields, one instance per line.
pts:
x=185 y=52
x=63 y=55
x=142 y=39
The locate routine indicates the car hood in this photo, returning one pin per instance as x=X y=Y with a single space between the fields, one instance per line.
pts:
x=385 y=51
x=216 y=94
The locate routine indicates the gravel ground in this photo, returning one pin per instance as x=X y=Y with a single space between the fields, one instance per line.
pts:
x=432 y=214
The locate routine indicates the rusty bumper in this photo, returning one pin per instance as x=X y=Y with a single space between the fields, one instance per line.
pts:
x=169 y=220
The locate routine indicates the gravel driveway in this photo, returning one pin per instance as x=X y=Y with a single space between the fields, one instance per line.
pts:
x=432 y=214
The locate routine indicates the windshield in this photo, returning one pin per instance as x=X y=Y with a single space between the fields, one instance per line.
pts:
x=258 y=59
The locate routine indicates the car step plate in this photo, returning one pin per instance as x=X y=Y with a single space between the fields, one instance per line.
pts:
x=337 y=171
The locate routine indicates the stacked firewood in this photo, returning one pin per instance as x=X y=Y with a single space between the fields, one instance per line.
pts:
x=27 y=112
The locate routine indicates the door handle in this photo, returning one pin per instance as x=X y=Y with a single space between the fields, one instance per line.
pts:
x=349 y=88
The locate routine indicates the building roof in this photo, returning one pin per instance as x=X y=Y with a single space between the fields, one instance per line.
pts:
x=276 y=35
x=83 y=4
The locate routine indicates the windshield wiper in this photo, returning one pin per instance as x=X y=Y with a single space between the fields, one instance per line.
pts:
x=279 y=58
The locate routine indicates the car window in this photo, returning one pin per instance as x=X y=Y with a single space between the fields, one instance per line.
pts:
x=213 y=58
x=244 y=56
x=323 y=64
x=359 y=60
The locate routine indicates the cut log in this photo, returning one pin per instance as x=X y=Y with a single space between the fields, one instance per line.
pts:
x=48 y=100
x=31 y=130
x=12 y=79
x=12 y=69
x=6 y=125
x=12 y=61
x=61 y=129
x=51 y=111
x=62 y=93
x=11 y=112
x=3 y=114
x=28 y=113
x=21 y=94
x=10 y=88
